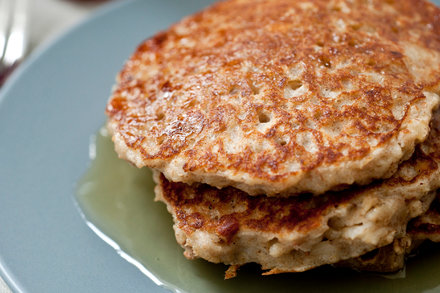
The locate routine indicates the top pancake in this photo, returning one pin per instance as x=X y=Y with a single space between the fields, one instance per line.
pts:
x=281 y=97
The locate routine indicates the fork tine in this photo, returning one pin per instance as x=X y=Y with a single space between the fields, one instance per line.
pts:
x=5 y=14
x=16 y=43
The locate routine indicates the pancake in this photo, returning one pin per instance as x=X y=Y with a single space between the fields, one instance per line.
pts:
x=387 y=259
x=299 y=233
x=391 y=258
x=281 y=97
x=427 y=226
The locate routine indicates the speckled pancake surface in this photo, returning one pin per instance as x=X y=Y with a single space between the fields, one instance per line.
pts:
x=280 y=96
x=299 y=233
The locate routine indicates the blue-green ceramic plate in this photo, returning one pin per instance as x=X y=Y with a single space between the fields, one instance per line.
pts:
x=48 y=110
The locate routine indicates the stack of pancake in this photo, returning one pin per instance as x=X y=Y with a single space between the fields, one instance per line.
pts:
x=292 y=134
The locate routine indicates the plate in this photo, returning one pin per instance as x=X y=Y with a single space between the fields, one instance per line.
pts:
x=48 y=110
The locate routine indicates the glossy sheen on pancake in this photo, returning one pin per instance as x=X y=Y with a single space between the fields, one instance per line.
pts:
x=299 y=233
x=281 y=96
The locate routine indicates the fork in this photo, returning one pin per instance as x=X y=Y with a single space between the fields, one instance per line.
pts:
x=13 y=35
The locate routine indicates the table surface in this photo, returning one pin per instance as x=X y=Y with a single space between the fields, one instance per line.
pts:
x=48 y=19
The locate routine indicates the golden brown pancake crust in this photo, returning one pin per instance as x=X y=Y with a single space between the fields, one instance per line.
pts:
x=281 y=96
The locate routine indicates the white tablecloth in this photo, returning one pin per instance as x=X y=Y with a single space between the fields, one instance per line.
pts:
x=47 y=19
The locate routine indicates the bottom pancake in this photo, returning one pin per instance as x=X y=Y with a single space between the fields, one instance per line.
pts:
x=391 y=258
x=427 y=226
x=288 y=234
